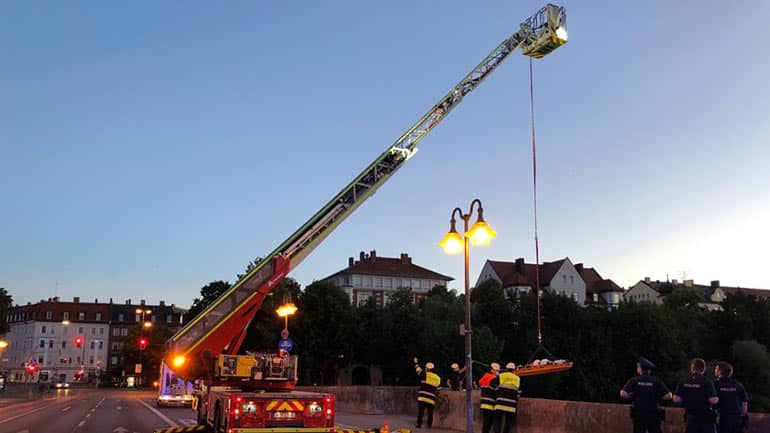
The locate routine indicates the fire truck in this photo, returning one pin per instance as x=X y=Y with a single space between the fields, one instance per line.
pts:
x=242 y=391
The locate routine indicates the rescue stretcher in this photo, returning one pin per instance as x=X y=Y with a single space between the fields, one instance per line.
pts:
x=547 y=367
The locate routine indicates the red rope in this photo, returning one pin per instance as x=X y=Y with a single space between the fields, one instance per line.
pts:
x=534 y=198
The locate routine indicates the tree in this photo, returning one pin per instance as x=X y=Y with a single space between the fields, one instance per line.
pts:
x=752 y=368
x=325 y=330
x=265 y=328
x=209 y=293
x=6 y=302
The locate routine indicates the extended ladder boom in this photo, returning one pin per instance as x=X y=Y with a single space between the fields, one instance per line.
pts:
x=220 y=328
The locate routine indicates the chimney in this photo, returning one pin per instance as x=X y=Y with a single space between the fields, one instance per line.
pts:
x=162 y=303
x=56 y=299
x=110 y=301
x=76 y=299
x=715 y=284
x=362 y=256
x=128 y=301
x=674 y=282
x=351 y=262
x=687 y=283
x=96 y=301
x=141 y=302
x=579 y=268
x=373 y=254
x=520 y=265
x=405 y=259
x=647 y=280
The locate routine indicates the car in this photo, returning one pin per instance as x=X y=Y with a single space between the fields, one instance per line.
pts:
x=60 y=384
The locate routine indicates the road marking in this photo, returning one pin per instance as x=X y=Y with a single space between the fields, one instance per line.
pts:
x=188 y=421
x=88 y=415
x=23 y=431
x=66 y=408
x=165 y=419
x=22 y=414
x=81 y=423
x=119 y=408
x=120 y=429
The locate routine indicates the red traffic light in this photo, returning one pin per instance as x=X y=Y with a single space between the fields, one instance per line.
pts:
x=78 y=341
x=32 y=368
x=143 y=342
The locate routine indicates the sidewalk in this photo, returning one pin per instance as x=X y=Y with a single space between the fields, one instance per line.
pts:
x=354 y=421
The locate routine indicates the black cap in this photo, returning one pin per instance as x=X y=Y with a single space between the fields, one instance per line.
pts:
x=645 y=363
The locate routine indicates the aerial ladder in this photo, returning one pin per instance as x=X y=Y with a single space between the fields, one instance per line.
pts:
x=208 y=346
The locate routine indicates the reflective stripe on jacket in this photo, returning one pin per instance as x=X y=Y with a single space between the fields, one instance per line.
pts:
x=508 y=392
x=429 y=382
x=487 y=391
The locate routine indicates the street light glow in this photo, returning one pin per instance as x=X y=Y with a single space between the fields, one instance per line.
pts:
x=452 y=243
x=148 y=324
x=178 y=361
x=481 y=234
x=3 y=344
x=287 y=309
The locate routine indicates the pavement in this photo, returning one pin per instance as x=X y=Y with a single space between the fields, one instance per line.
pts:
x=356 y=421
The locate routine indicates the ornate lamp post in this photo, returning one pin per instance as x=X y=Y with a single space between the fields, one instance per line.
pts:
x=480 y=234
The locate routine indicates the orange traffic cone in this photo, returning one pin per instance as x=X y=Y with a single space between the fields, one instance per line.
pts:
x=385 y=428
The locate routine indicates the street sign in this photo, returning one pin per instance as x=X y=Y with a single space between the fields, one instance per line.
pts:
x=284 y=333
x=285 y=344
x=138 y=368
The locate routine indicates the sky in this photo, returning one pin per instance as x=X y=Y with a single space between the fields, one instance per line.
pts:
x=148 y=148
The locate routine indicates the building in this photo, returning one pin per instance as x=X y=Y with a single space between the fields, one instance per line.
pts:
x=559 y=277
x=76 y=341
x=64 y=338
x=126 y=320
x=599 y=291
x=712 y=294
x=376 y=277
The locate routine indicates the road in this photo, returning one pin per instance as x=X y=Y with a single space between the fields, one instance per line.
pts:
x=111 y=410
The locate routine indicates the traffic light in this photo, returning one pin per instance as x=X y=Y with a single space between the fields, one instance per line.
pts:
x=32 y=368
x=78 y=341
x=143 y=343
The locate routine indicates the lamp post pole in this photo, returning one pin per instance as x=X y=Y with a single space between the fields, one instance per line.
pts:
x=480 y=234
x=142 y=325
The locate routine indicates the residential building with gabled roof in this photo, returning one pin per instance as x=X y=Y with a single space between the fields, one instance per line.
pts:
x=599 y=291
x=712 y=294
x=377 y=277
x=559 y=277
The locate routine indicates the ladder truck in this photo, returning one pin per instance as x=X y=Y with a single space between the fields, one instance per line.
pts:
x=253 y=392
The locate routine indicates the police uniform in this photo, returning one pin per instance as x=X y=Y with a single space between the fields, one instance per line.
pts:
x=426 y=396
x=506 y=399
x=695 y=391
x=646 y=392
x=455 y=377
x=487 y=400
x=731 y=395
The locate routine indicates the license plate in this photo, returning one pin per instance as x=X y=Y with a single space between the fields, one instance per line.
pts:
x=284 y=415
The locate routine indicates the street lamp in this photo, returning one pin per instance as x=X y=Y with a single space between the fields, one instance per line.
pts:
x=285 y=310
x=480 y=234
x=142 y=341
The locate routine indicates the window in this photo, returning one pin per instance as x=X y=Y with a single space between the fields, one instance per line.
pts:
x=115 y=347
x=48 y=315
x=596 y=297
x=81 y=316
x=115 y=332
x=66 y=315
x=124 y=332
x=114 y=360
x=93 y=344
x=169 y=318
x=64 y=344
x=572 y=279
x=138 y=318
x=363 y=297
x=121 y=317
x=98 y=316
x=50 y=344
x=91 y=360
x=42 y=343
x=152 y=318
x=101 y=331
x=42 y=330
x=101 y=344
x=564 y=279
x=40 y=360
x=93 y=331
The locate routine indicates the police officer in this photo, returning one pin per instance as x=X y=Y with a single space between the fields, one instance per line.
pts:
x=697 y=395
x=487 y=400
x=733 y=402
x=645 y=393
x=506 y=399
x=426 y=396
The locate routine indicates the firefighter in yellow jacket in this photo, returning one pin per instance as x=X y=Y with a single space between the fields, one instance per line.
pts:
x=506 y=399
x=426 y=396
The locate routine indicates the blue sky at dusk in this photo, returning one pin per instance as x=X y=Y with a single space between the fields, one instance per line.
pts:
x=148 y=148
